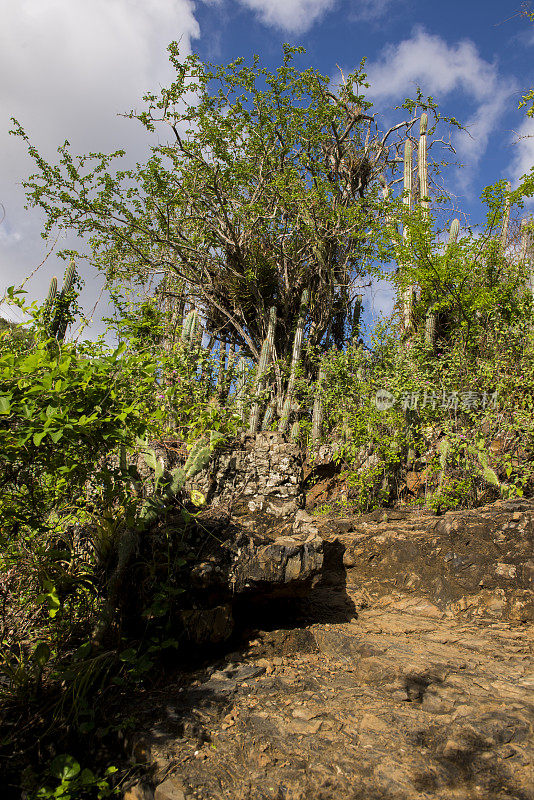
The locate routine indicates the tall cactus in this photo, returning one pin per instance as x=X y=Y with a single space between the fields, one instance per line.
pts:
x=189 y=328
x=60 y=320
x=269 y=414
x=197 y=334
x=318 y=407
x=48 y=304
x=265 y=357
x=453 y=232
x=423 y=166
x=221 y=370
x=356 y=319
x=526 y=252
x=407 y=297
x=297 y=348
x=240 y=389
x=430 y=329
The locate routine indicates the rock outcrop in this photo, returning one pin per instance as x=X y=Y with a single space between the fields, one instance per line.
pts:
x=260 y=473
x=405 y=673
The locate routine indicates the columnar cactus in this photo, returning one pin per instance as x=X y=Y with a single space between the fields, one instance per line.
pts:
x=221 y=369
x=189 y=327
x=240 y=389
x=318 y=407
x=297 y=348
x=50 y=300
x=269 y=415
x=430 y=328
x=408 y=202
x=356 y=318
x=408 y=178
x=265 y=357
x=197 y=333
x=526 y=252
x=423 y=166
x=228 y=373
x=60 y=319
x=454 y=231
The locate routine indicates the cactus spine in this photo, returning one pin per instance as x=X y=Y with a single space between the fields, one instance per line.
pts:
x=407 y=200
x=265 y=357
x=297 y=348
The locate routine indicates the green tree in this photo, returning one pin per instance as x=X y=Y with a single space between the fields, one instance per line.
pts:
x=271 y=183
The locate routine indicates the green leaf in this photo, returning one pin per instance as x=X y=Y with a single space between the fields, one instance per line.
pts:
x=128 y=655
x=87 y=777
x=38 y=438
x=41 y=654
x=5 y=403
x=64 y=767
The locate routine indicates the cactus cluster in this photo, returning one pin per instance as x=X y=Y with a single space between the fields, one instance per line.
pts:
x=297 y=349
x=265 y=358
x=55 y=312
x=189 y=329
x=196 y=461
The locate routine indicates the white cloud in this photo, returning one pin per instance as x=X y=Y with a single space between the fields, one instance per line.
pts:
x=442 y=70
x=370 y=10
x=68 y=68
x=523 y=159
x=294 y=16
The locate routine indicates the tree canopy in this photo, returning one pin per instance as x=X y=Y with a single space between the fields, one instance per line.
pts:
x=270 y=183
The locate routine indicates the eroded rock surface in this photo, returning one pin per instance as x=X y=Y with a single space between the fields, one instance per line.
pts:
x=407 y=674
x=260 y=473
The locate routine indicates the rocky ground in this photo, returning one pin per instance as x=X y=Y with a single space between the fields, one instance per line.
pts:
x=405 y=673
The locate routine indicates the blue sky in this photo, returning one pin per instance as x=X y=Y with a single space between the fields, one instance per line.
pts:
x=68 y=67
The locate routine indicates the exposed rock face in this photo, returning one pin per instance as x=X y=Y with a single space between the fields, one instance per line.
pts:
x=262 y=473
x=249 y=568
x=426 y=695
x=477 y=563
x=292 y=562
